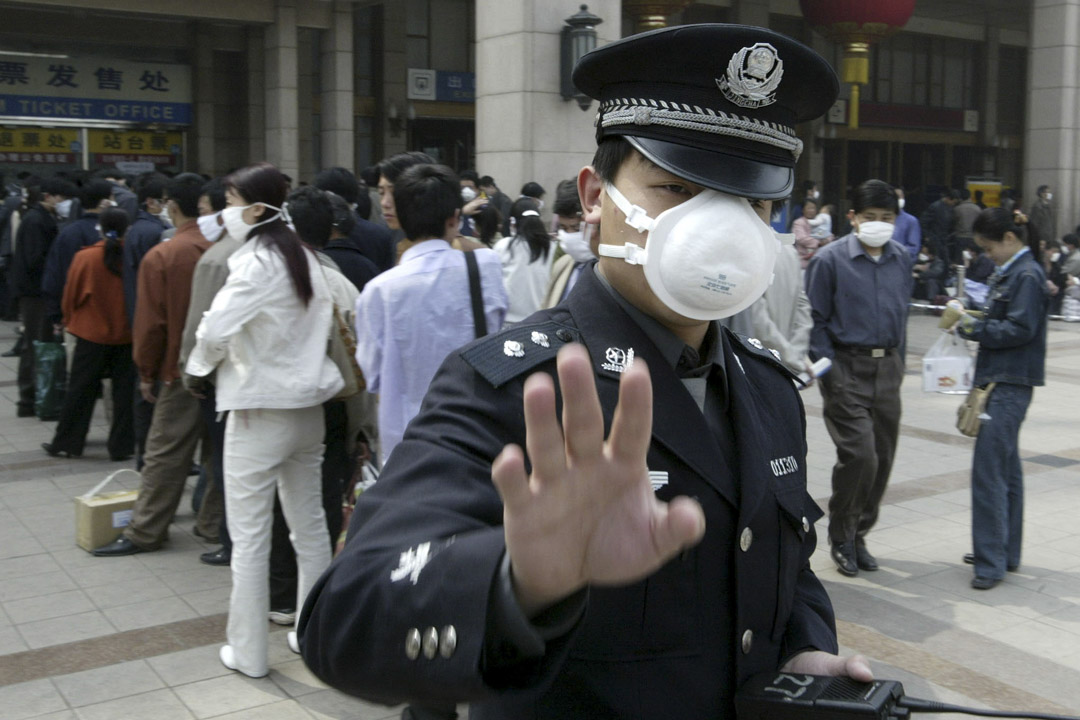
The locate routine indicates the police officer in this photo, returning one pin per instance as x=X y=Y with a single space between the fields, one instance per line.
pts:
x=649 y=552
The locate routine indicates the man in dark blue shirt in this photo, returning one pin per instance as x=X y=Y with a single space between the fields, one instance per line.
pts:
x=144 y=233
x=859 y=288
x=96 y=196
x=372 y=240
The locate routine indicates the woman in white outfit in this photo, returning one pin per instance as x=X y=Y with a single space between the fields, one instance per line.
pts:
x=526 y=257
x=266 y=336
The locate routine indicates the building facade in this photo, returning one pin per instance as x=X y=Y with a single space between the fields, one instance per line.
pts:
x=971 y=92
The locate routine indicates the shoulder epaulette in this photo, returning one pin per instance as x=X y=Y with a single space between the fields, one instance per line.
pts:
x=507 y=354
x=756 y=348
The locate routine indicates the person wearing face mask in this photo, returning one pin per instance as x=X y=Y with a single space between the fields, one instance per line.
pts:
x=526 y=260
x=573 y=234
x=209 y=277
x=859 y=288
x=163 y=292
x=83 y=232
x=145 y=232
x=34 y=238
x=532 y=568
x=907 y=230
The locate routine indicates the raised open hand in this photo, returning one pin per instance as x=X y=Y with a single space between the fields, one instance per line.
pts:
x=587 y=514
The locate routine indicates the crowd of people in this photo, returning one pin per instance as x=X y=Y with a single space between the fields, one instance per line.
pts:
x=288 y=340
x=941 y=241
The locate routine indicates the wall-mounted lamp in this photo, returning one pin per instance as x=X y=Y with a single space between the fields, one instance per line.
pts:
x=578 y=37
x=394 y=119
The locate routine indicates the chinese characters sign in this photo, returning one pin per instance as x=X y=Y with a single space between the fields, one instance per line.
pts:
x=77 y=89
x=110 y=147
x=39 y=145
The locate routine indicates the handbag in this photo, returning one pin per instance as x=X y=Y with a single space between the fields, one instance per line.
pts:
x=969 y=416
x=341 y=349
x=50 y=379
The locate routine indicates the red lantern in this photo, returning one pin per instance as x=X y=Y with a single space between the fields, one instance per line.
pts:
x=855 y=24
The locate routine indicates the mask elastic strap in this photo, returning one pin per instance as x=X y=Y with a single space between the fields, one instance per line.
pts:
x=281 y=213
x=631 y=253
x=636 y=217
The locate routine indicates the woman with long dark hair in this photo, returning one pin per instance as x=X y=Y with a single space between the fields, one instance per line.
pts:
x=265 y=335
x=93 y=306
x=527 y=257
x=1012 y=355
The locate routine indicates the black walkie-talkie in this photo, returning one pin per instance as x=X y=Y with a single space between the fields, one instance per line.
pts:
x=793 y=696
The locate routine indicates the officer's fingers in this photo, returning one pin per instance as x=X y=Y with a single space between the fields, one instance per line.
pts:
x=543 y=436
x=857 y=667
x=678 y=525
x=631 y=428
x=583 y=420
x=508 y=474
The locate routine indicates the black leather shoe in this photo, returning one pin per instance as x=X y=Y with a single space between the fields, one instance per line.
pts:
x=969 y=559
x=863 y=558
x=984 y=583
x=54 y=452
x=24 y=411
x=119 y=546
x=221 y=556
x=843 y=554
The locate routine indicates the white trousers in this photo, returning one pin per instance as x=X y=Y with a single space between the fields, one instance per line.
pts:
x=268 y=450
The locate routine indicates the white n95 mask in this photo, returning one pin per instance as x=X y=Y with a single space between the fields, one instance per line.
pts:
x=706 y=259
x=233 y=217
x=875 y=233
x=576 y=244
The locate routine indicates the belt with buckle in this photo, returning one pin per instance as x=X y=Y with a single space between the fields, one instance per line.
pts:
x=874 y=352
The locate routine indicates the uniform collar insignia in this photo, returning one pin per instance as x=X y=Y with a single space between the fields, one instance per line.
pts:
x=618 y=360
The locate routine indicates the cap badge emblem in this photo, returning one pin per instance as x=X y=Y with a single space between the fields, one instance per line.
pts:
x=512 y=348
x=540 y=339
x=618 y=360
x=753 y=75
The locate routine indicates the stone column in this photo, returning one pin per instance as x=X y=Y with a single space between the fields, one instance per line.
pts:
x=256 y=94
x=1052 y=154
x=204 y=101
x=991 y=70
x=394 y=78
x=524 y=129
x=337 y=89
x=282 y=98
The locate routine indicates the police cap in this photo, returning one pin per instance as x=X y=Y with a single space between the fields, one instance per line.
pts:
x=715 y=104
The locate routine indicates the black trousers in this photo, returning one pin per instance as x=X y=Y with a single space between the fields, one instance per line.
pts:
x=336 y=471
x=91 y=363
x=216 y=432
x=36 y=326
x=862 y=415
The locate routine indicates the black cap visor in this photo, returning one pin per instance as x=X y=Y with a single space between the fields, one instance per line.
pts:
x=727 y=172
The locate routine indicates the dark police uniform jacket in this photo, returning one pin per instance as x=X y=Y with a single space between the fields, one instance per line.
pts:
x=425 y=553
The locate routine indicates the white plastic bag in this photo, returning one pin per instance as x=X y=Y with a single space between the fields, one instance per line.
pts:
x=948 y=366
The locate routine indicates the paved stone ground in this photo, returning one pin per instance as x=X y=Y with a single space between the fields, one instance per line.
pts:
x=137 y=637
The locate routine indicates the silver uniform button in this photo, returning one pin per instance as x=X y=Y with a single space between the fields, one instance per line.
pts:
x=412 y=644
x=746 y=539
x=747 y=641
x=448 y=642
x=431 y=642
x=805 y=525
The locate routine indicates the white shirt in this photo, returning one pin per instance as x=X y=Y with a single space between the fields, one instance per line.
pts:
x=526 y=282
x=268 y=348
x=409 y=318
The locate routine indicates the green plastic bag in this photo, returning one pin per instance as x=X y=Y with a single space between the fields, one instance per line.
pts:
x=50 y=379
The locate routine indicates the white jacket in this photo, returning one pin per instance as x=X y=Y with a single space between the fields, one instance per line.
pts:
x=268 y=348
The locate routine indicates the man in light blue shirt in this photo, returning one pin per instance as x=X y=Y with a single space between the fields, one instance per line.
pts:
x=907 y=233
x=409 y=318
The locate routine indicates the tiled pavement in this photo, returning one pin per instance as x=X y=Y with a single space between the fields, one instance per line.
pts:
x=137 y=637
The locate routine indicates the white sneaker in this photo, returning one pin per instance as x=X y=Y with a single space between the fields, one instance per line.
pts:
x=283 y=617
x=294 y=644
x=228 y=658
